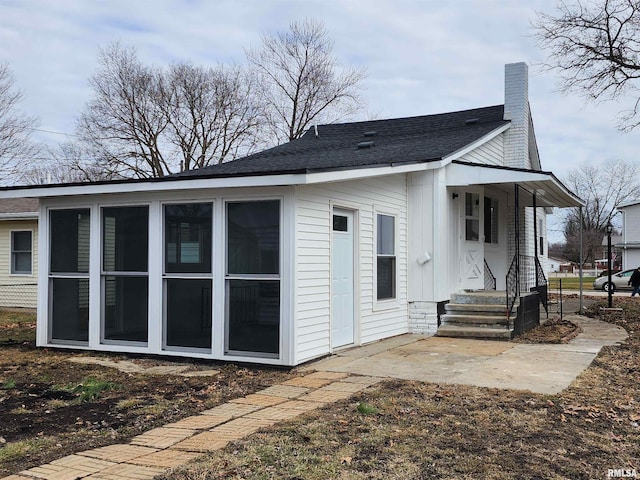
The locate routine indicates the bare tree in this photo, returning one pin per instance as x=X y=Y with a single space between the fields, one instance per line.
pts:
x=144 y=121
x=603 y=187
x=596 y=48
x=69 y=162
x=212 y=114
x=15 y=126
x=301 y=81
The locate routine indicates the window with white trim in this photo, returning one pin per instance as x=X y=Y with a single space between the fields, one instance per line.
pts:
x=21 y=252
x=187 y=275
x=69 y=275
x=386 y=257
x=253 y=277
x=125 y=274
x=490 y=220
x=471 y=217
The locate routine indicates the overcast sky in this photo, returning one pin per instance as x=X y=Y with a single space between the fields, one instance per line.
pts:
x=422 y=57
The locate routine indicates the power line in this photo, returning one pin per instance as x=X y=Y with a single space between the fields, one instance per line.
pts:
x=52 y=131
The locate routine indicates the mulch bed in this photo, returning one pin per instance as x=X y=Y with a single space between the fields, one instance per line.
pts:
x=554 y=330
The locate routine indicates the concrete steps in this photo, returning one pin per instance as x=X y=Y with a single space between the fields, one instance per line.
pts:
x=478 y=314
x=484 y=333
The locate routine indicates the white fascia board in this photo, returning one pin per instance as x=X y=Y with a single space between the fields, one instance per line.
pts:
x=359 y=173
x=464 y=175
x=156 y=186
x=628 y=204
x=473 y=145
x=215 y=183
x=459 y=175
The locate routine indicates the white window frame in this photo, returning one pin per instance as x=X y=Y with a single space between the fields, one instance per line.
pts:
x=12 y=270
x=227 y=277
x=488 y=235
x=392 y=302
x=187 y=276
x=105 y=273
x=50 y=276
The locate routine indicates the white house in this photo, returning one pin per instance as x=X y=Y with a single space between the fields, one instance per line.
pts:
x=18 y=252
x=629 y=245
x=353 y=233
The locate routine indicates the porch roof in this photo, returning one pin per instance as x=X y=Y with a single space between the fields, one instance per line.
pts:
x=550 y=192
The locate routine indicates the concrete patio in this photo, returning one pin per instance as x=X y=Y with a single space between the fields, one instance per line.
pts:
x=540 y=368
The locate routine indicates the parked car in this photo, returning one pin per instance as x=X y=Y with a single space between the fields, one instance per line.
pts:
x=605 y=273
x=619 y=281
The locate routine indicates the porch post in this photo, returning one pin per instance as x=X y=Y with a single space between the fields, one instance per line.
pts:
x=581 y=258
x=535 y=232
x=517 y=236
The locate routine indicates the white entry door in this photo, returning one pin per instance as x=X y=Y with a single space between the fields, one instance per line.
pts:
x=342 y=278
x=472 y=242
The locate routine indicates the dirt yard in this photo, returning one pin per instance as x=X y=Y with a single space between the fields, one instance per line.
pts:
x=51 y=407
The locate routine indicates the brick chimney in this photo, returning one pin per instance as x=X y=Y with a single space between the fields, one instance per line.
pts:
x=516 y=109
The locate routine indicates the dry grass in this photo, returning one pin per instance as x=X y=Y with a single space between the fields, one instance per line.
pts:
x=425 y=431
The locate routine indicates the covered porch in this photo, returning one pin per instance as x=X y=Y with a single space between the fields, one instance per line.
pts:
x=499 y=281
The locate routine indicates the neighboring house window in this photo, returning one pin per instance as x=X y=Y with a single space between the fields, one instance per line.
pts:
x=472 y=217
x=253 y=277
x=490 y=220
x=69 y=275
x=21 y=252
x=386 y=257
x=125 y=284
x=187 y=274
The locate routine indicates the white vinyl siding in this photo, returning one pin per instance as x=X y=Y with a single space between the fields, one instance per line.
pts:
x=313 y=261
x=17 y=290
x=489 y=153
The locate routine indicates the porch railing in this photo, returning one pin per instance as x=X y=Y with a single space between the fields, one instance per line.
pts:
x=526 y=275
x=513 y=287
x=542 y=286
x=489 y=278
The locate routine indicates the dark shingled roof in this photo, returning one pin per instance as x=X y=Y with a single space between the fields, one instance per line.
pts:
x=395 y=141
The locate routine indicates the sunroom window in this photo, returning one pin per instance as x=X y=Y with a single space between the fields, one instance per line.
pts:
x=253 y=277
x=125 y=284
x=69 y=275
x=187 y=275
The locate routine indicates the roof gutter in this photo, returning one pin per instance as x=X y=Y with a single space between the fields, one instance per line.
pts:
x=19 y=216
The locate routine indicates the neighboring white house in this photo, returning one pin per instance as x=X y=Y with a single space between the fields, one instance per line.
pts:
x=553 y=264
x=353 y=233
x=629 y=245
x=19 y=252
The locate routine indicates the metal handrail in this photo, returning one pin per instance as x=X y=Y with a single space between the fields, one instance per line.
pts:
x=513 y=286
x=526 y=274
x=489 y=278
x=542 y=285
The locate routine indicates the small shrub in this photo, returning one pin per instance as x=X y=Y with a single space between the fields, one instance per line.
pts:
x=89 y=389
x=8 y=385
x=366 y=409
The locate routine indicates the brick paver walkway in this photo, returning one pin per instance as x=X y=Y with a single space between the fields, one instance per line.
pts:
x=175 y=444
